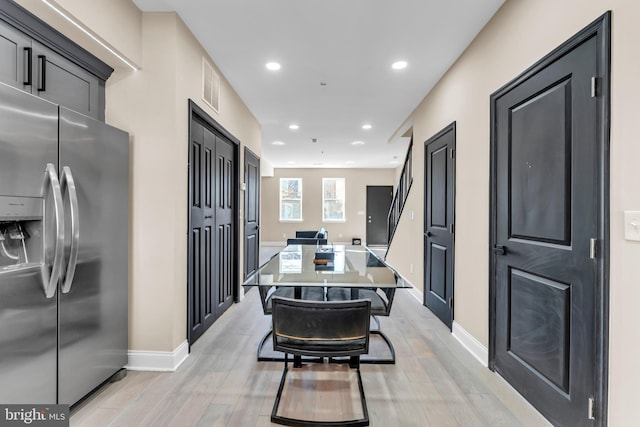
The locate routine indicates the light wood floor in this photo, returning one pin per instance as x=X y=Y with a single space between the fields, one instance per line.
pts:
x=435 y=381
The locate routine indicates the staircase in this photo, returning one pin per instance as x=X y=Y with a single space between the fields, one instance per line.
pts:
x=401 y=194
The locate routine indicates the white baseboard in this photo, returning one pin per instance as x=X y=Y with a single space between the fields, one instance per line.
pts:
x=469 y=342
x=168 y=361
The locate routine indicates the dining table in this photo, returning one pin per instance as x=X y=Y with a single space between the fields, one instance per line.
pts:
x=328 y=273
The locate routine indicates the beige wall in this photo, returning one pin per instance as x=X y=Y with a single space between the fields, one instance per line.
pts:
x=521 y=33
x=118 y=23
x=356 y=181
x=152 y=105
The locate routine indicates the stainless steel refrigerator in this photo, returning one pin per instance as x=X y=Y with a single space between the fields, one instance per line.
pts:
x=64 y=186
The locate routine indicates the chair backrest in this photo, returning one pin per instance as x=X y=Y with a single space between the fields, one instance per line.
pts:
x=321 y=233
x=321 y=328
x=306 y=241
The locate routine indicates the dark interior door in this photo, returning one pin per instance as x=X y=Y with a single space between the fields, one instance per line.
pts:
x=547 y=175
x=251 y=213
x=212 y=265
x=202 y=154
x=439 y=223
x=379 y=198
x=224 y=222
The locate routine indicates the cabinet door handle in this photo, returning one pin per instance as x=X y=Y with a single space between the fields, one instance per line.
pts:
x=42 y=65
x=27 y=70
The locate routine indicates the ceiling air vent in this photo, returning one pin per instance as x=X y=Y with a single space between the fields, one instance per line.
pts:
x=210 y=85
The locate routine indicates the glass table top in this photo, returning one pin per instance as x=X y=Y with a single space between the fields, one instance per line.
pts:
x=351 y=266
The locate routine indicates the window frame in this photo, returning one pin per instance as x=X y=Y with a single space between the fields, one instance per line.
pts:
x=281 y=219
x=343 y=199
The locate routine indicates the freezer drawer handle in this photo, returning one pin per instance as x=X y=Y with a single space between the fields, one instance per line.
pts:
x=68 y=185
x=50 y=279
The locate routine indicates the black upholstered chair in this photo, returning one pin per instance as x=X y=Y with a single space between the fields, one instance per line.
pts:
x=381 y=302
x=310 y=237
x=324 y=330
x=267 y=293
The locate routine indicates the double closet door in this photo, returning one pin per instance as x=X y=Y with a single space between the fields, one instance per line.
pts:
x=212 y=227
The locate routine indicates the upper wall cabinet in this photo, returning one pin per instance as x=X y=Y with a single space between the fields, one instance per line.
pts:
x=13 y=56
x=37 y=59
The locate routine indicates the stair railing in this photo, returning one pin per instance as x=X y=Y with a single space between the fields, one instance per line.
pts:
x=401 y=194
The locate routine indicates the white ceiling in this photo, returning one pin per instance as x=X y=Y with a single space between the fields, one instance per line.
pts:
x=347 y=44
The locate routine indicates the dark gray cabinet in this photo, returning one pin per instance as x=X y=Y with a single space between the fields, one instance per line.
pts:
x=13 y=56
x=51 y=66
x=61 y=81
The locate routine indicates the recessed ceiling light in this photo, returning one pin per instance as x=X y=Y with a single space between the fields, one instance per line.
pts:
x=273 y=66
x=291 y=163
x=357 y=143
x=277 y=143
x=349 y=162
x=366 y=126
x=399 y=65
x=294 y=127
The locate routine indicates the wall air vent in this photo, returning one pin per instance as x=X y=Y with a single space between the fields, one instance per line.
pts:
x=210 y=85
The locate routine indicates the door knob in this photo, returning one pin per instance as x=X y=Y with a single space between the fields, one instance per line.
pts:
x=429 y=234
x=500 y=250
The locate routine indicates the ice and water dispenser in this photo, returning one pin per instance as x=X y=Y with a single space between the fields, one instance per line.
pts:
x=21 y=230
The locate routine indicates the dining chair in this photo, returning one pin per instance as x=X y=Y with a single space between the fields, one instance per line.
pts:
x=320 y=329
x=381 y=302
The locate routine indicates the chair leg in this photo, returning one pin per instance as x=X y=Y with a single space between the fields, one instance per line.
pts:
x=375 y=319
x=263 y=341
x=354 y=362
x=279 y=394
x=360 y=422
x=391 y=360
x=365 y=412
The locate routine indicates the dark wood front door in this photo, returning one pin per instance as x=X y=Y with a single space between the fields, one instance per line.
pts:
x=213 y=253
x=439 y=208
x=548 y=170
x=379 y=198
x=251 y=213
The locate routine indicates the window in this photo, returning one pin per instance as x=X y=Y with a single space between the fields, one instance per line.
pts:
x=290 y=199
x=333 y=199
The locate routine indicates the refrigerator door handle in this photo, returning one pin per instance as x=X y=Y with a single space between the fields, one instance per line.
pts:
x=50 y=279
x=68 y=184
